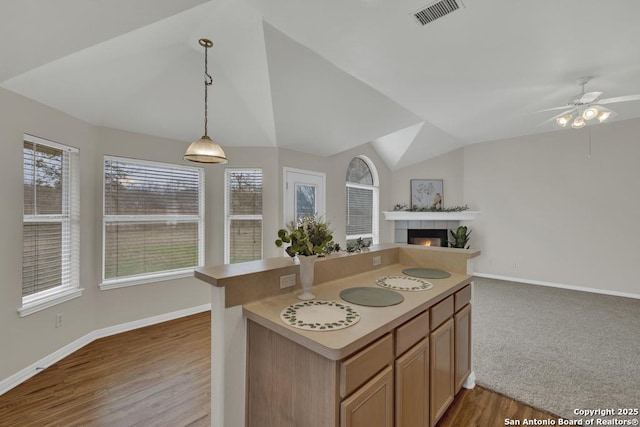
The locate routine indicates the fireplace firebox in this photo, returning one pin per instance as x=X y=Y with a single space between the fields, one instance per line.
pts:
x=427 y=237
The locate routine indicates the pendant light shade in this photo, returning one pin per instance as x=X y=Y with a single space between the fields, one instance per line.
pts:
x=205 y=150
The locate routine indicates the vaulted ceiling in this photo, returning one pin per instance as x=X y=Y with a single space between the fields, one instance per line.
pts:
x=321 y=76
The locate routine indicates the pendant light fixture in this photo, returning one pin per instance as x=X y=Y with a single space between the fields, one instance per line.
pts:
x=205 y=150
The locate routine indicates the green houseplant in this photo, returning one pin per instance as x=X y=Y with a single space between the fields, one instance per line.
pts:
x=308 y=238
x=460 y=237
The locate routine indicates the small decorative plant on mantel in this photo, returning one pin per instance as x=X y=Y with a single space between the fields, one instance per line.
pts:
x=308 y=238
x=404 y=207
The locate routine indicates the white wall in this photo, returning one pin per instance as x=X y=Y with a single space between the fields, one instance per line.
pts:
x=29 y=339
x=551 y=214
x=25 y=340
x=527 y=188
x=448 y=167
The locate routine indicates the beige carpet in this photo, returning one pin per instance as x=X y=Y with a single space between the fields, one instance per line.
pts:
x=555 y=349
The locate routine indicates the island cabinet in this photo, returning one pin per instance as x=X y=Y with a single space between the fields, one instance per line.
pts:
x=407 y=377
x=290 y=385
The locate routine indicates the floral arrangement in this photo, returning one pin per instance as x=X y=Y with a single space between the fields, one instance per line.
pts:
x=308 y=236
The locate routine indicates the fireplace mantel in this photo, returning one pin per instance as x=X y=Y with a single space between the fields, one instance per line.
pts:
x=430 y=216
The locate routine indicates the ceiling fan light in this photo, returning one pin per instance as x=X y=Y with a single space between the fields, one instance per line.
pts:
x=578 y=123
x=604 y=115
x=563 y=120
x=590 y=113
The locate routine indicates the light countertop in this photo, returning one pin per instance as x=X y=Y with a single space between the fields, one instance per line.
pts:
x=374 y=321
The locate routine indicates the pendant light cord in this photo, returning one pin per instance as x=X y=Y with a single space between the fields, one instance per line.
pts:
x=208 y=81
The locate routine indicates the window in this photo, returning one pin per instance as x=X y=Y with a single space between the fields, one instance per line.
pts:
x=243 y=212
x=362 y=201
x=50 y=226
x=153 y=223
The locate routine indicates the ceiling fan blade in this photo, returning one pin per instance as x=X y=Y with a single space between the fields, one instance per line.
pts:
x=624 y=98
x=551 y=109
x=589 y=97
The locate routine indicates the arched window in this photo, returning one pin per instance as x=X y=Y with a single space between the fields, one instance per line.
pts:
x=362 y=201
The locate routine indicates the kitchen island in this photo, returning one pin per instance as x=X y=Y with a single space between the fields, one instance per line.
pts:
x=290 y=376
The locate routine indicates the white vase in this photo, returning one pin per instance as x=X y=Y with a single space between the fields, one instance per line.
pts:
x=306 y=275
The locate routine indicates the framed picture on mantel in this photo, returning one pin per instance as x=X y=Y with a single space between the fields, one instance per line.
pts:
x=427 y=194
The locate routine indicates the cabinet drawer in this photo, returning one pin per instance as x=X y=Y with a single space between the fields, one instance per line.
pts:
x=358 y=369
x=411 y=332
x=462 y=297
x=441 y=311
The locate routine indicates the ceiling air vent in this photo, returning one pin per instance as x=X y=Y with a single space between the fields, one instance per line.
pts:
x=437 y=10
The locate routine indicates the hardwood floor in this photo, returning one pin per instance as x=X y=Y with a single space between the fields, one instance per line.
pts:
x=480 y=407
x=159 y=376
x=153 y=376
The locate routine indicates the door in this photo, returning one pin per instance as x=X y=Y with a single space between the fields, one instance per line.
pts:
x=462 y=332
x=441 y=365
x=304 y=194
x=412 y=387
x=371 y=405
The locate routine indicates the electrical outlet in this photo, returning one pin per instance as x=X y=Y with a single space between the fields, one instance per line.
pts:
x=377 y=260
x=59 y=320
x=287 y=281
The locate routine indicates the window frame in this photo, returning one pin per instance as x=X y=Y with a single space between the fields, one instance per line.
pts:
x=69 y=218
x=140 y=279
x=375 y=229
x=229 y=217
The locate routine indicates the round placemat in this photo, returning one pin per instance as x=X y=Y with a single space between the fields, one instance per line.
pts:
x=319 y=315
x=404 y=283
x=371 y=297
x=426 y=273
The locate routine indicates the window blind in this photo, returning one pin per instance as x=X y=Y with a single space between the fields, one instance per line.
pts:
x=153 y=218
x=244 y=188
x=50 y=254
x=243 y=228
x=359 y=210
x=361 y=202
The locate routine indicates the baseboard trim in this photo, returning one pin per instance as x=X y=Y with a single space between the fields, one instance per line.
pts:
x=558 y=285
x=42 y=364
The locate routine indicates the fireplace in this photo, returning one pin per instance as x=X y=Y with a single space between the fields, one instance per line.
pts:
x=427 y=237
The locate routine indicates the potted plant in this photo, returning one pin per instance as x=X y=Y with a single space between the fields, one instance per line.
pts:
x=308 y=238
x=460 y=237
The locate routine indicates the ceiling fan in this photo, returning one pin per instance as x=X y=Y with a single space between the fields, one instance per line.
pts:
x=586 y=106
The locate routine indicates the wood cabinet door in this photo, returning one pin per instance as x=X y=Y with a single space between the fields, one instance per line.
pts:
x=412 y=387
x=371 y=405
x=441 y=370
x=462 y=330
